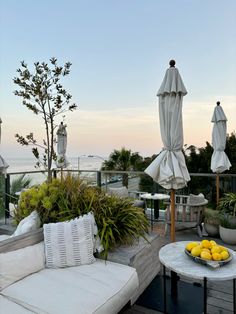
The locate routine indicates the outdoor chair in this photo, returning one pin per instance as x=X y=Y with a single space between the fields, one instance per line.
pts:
x=124 y=192
x=188 y=212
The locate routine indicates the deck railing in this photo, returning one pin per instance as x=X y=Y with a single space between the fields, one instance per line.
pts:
x=137 y=181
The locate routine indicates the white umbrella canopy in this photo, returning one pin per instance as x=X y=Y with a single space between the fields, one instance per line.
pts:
x=3 y=163
x=169 y=168
x=219 y=159
x=61 y=146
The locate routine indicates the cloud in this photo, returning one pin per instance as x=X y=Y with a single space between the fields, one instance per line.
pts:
x=101 y=131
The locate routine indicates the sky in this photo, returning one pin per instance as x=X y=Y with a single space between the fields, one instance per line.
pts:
x=119 y=52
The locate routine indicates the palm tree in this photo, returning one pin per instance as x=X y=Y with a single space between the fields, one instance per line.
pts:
x=123 y=160
x=17 y=185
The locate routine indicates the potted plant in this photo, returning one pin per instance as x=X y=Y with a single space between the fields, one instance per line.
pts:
x=211 y=221
x=227 y=208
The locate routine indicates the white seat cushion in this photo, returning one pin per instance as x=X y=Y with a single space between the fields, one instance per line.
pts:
x=7 y=306
x=101 y=288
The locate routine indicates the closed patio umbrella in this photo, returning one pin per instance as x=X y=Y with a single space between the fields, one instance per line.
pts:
x=3 y=163
x=169 y=168
x=61 y=146
x=219 y=159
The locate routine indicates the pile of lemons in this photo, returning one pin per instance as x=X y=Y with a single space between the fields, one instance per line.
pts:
x=208 y=250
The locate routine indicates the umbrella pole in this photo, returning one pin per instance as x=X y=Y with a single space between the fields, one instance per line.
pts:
x=172 y=213
x=217 y=188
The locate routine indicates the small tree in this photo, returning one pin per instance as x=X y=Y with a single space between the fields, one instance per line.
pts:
x=43 y=94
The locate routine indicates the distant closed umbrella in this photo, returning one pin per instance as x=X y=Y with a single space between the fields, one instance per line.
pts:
x=219 y=159
x=61 y=146
x=169 y=168
x=3 y=163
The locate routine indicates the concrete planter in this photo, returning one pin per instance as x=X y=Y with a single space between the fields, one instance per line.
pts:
x=212 y=230
x=228 y=235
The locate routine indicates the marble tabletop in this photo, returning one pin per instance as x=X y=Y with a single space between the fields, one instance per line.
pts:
x=155 y=196
x=174 y=258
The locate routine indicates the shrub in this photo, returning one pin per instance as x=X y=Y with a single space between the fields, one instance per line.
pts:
x=227 y=204
x=118 y=221
x=227 y=208
x=211 y=216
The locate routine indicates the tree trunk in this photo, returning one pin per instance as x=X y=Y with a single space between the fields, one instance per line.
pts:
x=125 y=179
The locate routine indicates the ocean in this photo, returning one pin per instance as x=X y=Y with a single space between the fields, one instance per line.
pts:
x=27 y=164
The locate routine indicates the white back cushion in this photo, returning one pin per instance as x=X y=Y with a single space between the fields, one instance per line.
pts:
x=18 y=264
x=29 y=223
x=68 y=243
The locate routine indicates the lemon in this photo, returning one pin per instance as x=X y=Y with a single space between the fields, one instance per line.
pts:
x=224 y=255
x=191 y=245
x=206 y=250
x=206 y=255
x=216 y=256
x=216 y=249
x=206 y=244
x=196 y=251
x=223 y=248
x=213 y=243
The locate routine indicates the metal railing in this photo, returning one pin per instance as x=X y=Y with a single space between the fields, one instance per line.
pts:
x=137 y=181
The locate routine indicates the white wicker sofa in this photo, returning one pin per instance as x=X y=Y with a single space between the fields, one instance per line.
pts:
x=27 y=286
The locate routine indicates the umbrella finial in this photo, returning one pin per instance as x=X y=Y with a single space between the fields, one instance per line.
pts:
x=172 y=63
x=218 y=103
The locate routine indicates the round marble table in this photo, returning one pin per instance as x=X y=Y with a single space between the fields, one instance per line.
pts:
x=154 y=197
x=174 y=258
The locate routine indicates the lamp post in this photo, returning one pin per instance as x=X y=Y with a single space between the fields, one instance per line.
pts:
x=79 y=160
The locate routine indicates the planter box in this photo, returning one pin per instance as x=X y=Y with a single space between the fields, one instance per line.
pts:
x=143 y=256
x=228 y=235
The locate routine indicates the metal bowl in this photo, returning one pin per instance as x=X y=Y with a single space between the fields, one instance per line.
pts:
x=213 y=264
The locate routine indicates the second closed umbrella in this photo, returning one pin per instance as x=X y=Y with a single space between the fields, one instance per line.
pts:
x=219 y=159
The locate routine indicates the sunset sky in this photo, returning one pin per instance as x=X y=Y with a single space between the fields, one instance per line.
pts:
x=119 y=52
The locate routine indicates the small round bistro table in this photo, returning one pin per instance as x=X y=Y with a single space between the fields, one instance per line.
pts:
x=174 y=258
x=154 y=197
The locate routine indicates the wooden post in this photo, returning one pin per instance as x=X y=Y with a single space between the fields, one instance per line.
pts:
x=172 y=215
x=217 y=188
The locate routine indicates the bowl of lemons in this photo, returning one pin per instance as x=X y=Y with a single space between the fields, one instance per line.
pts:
x=209 y=253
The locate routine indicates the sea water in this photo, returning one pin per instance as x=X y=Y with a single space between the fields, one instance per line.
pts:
x=22 y=165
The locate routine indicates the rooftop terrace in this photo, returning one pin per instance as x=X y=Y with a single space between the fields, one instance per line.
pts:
x=219 y=294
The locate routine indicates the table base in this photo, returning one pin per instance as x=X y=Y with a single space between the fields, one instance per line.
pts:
x=189 y=299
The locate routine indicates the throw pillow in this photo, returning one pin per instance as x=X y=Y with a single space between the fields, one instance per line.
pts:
x=29 y=223
x=68 y=243
x=20 y=263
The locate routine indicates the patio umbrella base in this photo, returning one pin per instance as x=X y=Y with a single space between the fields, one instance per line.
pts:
x=188 y=300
